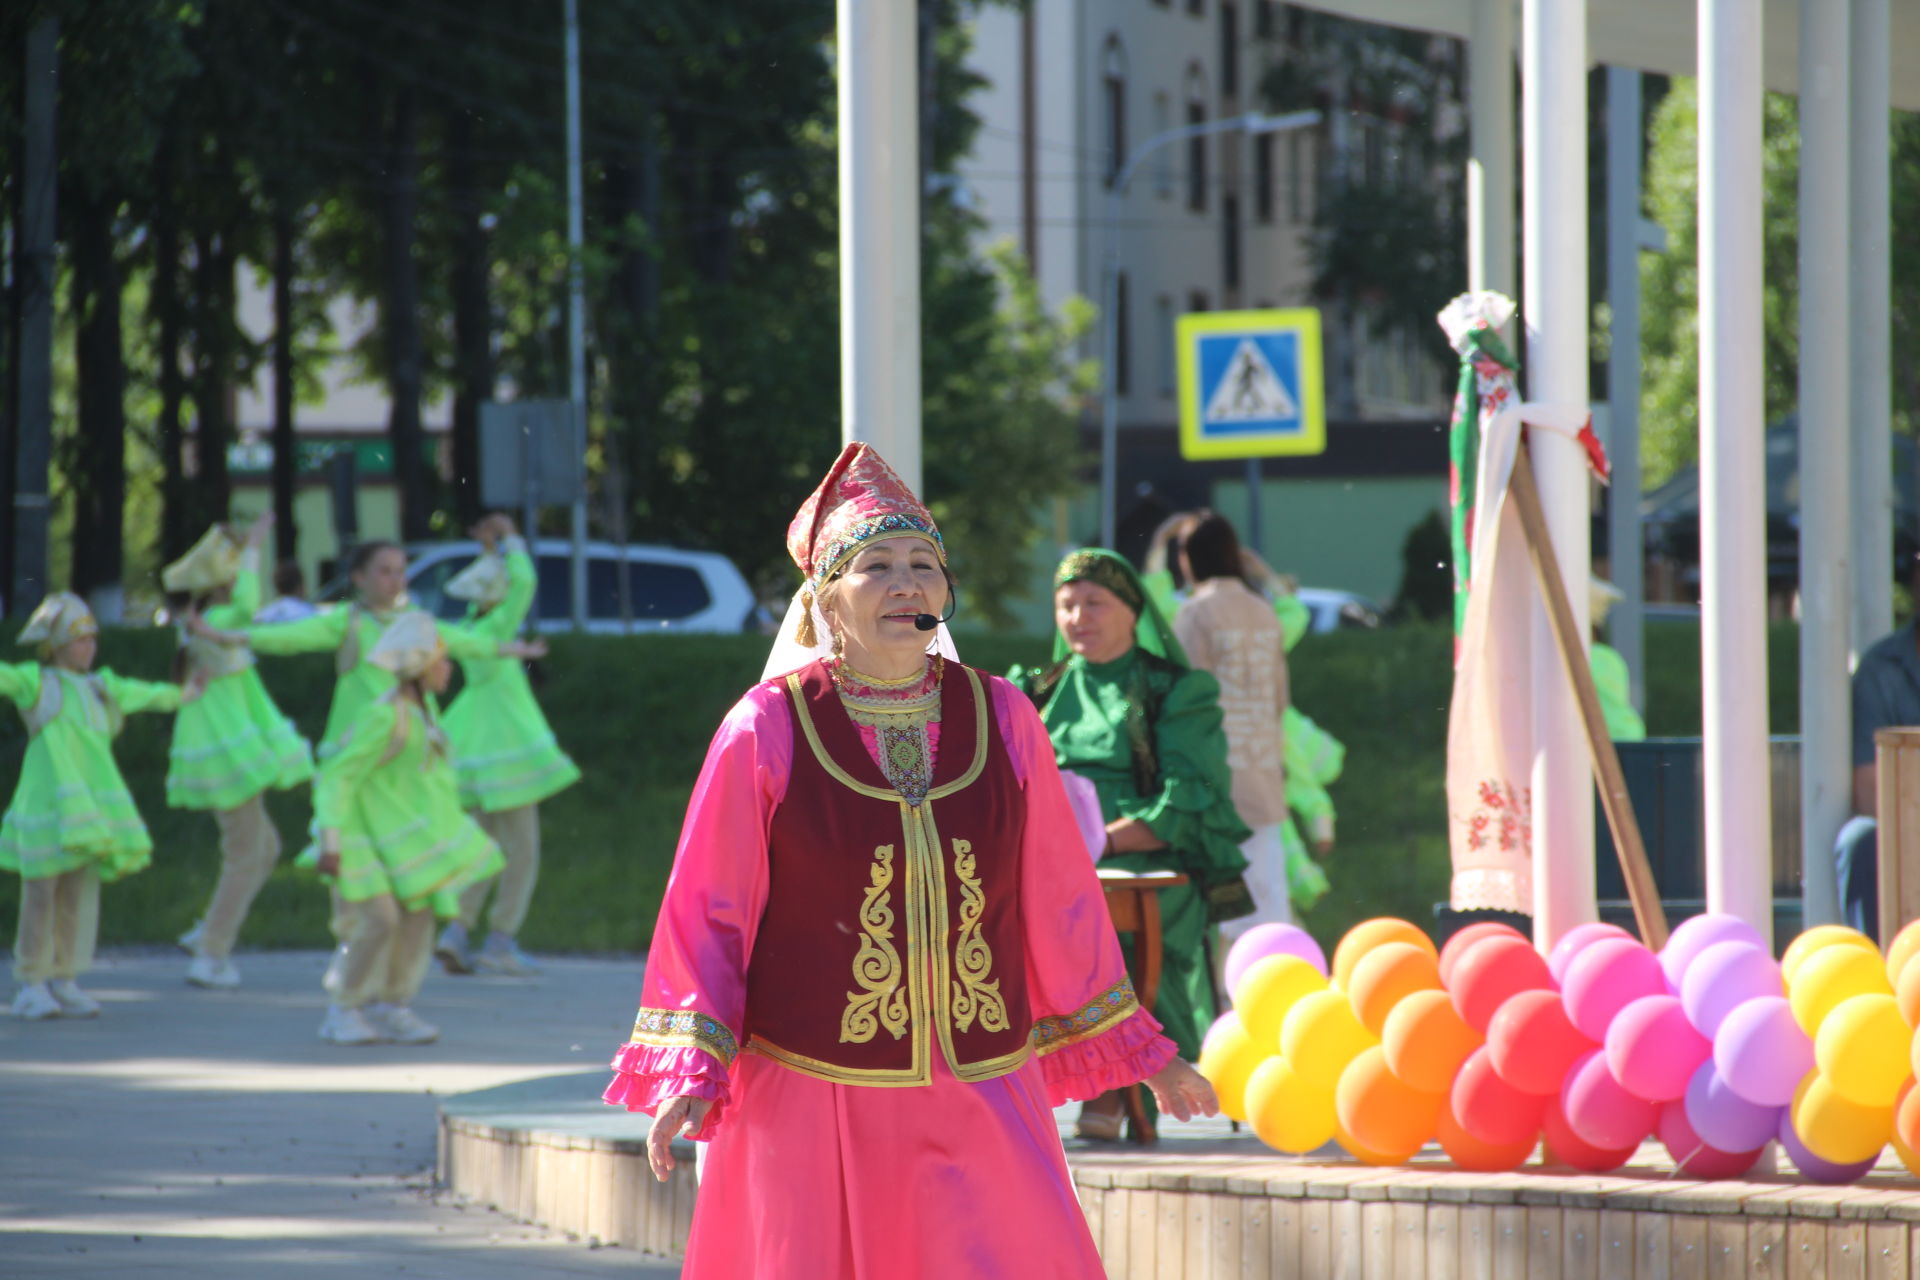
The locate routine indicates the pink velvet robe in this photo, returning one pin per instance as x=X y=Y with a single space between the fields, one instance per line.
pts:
x=806 y=1178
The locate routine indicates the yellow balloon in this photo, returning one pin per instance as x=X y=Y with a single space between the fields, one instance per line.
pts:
x=1288 y=1112
x=1904 y=947
x=1227 y=1058
x=1321 y=1036
x=1830 y=975
x=1837 y=1130
x=1863 y=1050
x=1269 y=988
x=1818 y=938
x=1369 y=934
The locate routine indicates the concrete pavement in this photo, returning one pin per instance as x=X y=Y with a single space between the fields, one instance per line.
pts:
x=212 y=1134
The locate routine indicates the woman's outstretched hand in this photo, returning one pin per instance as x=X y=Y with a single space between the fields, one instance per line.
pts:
x=685 y=1116
x=1182 y=1092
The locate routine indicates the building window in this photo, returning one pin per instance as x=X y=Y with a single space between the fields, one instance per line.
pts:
x=1263 y=177
x=1196 y=146
x=1163 y=344
x=1230 y=240
x=1162 y=156
x=1197 y=301
x=1113 y=73
x=1122 y=336
x=1229 y=48
x=1263 y=24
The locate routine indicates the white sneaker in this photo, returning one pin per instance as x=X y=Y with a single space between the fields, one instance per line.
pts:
x=348 y=1026
x=206 y=971
x=503 y=955
x=74 y=1003
x=452 y=949
x=402 y=1025
x=35 y=1003
x=190 y=940
x=336 y=967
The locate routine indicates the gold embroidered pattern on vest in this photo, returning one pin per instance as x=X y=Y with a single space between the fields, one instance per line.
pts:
x=881 y=1000
x=973 y=995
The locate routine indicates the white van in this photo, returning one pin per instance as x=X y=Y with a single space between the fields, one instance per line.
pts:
x=670 y=589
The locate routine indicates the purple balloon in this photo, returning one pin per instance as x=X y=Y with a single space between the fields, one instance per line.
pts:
x=1812 y=1166
x=1265 y=940
x=1575 y=940
x=1723 y=1118
x=1761 y=1052
x=1696 y=935
x=1723 y=977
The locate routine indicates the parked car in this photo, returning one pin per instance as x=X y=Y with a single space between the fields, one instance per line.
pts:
x=671 y=589
x=1334 y=610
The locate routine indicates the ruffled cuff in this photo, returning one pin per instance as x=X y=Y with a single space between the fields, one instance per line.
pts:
x=1111 y=1043
x=647 y=1076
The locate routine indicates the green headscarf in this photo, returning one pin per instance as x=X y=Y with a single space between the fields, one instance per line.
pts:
x=1110 y=569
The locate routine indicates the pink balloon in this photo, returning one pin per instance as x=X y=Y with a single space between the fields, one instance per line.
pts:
x=1599 y=1111
x=1696 y=935
x=1265 y=940
x=1722 y=1117
x=1691 y=1153
x=1606 y=977
x=1723 y=977
x=1576 y=940
x=1761 y=1052
x=1652 y=1050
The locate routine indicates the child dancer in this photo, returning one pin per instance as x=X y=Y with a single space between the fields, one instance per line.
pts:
x=231 y=745
x=71 y=826
x=394 y=841
x=503 y=751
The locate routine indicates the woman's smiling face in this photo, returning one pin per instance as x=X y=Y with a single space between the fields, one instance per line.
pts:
x=1095 y=623
x=878 y=595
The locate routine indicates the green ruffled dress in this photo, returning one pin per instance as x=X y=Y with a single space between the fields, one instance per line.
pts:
x=391 y=792
x=232 y=742
x=71 y=808
x=503 y=749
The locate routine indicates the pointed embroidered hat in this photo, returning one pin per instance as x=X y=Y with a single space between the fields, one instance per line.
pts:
x=484 y=581
x=62 y=617
x=213 y=562
x=409 y=645
x=860 y=501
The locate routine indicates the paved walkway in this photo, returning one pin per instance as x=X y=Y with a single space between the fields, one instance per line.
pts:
x=211 y=1134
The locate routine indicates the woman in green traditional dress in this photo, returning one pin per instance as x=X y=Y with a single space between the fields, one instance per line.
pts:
x=71 y=826
x=1126 y=712
x=503 y=750
x=394 y=840
x=232 y=745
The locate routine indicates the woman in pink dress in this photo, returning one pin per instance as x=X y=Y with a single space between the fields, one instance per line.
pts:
x=883 y=956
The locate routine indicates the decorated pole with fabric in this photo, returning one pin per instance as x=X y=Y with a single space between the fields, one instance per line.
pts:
x=1487 y=372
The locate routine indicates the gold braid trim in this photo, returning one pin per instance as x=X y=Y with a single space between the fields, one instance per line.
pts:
x=684 y=1028
x=1108 y=1009
x=973 y=994
x=881 y=1000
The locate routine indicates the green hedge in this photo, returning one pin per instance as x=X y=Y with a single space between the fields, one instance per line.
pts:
x=637 y=714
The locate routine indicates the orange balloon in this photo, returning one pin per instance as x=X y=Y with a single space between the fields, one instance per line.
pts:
x=1906 y=1119
x=1381 y=1111
x=1474 y=1156
x=1904 y=947
x=1369 y=934
x=1426 y=1041
x=1387 y=975
x=1364 y=1154
x=1906 y=989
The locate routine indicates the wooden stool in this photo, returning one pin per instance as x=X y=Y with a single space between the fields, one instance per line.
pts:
x=1133 y=900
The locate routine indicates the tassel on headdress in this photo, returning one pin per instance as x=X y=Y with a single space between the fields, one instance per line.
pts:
x=804 y=633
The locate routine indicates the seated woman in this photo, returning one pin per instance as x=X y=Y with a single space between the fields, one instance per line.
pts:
x=1126 y=712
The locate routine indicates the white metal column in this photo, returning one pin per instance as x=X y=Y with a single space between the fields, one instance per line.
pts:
x=1869 y=269
x=1826 y=772
x=1625 y=547
x=1490 y=256
x=1733 y=574
x=1554 y=241
x=880 y=231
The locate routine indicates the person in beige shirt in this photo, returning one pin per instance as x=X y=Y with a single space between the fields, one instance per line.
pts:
x=1230 y=630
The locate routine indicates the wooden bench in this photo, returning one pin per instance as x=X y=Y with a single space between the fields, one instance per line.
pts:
x=1133 y=900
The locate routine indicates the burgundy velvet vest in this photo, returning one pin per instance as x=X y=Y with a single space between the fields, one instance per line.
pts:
x=889 y=927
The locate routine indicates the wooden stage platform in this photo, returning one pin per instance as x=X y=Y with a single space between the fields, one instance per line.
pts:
x=1207 y=1204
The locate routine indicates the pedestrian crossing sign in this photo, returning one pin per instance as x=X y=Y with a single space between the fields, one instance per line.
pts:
x=1250 y=384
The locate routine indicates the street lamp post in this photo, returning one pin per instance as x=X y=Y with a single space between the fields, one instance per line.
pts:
x=1253 y=122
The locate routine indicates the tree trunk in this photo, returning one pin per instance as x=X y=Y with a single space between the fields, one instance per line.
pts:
x=399 y=207
x=633 y=204
x=175 y=537
x=213 y=430
x=472 y=327
x=286 y=528
x=99 y=478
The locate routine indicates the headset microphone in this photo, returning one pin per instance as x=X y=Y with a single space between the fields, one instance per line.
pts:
x=927 y=622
